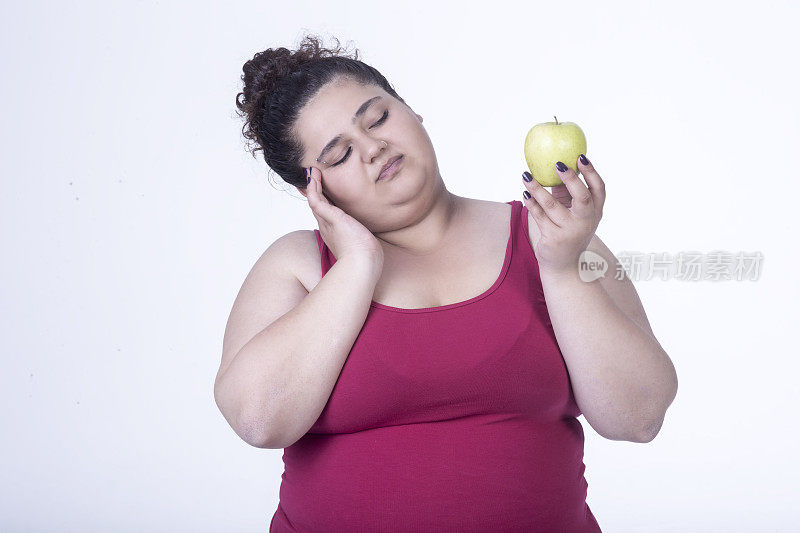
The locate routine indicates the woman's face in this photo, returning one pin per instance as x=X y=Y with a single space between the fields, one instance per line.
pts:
x=351 y=167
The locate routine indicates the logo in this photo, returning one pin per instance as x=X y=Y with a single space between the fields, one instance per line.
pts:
x=591 y=266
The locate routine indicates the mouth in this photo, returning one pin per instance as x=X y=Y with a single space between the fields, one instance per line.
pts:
x=389 y=168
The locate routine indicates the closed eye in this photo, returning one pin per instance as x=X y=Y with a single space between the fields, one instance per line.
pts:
x=350 y=148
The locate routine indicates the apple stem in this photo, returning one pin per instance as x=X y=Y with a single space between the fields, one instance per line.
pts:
x=556 y=120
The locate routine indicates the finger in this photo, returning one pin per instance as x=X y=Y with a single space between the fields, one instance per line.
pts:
x=322 y=189
x=546 y=225
x=582 y=199
x=316 y=201
x=596 y=184
x=558 y=213
x=561 y=193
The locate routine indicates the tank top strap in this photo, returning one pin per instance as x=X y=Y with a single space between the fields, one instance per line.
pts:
x=524 y=263
x=522 y=241
x=326 y=258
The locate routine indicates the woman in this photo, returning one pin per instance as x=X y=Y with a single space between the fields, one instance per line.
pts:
x=412 y=386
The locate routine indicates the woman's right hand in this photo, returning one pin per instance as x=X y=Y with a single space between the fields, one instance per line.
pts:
x=343 y=234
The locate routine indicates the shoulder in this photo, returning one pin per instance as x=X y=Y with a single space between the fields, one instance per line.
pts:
x=486 y=209
x=297 y=252
x=299 y=241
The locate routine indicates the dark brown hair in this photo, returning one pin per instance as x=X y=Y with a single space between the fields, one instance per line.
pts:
x=278 y=83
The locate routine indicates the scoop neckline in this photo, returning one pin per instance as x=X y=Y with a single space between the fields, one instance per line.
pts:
x=499 y=281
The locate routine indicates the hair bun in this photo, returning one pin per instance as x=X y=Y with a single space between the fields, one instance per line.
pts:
x=266 y=70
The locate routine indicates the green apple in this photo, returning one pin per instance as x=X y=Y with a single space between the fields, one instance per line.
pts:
x=550 y=142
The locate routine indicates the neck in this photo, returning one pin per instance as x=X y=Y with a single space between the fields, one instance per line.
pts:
x=429 y=232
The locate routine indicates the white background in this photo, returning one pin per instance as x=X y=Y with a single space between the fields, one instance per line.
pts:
x=131 y=214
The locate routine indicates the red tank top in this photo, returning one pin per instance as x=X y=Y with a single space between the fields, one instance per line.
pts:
x=452 y=418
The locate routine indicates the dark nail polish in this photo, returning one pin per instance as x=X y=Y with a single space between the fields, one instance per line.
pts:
x=526 y=195
x=527 y=176
x=561 y=167
x=584 y=160
x=308 y=175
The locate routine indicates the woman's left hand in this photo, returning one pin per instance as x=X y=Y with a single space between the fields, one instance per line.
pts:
x=567 y=218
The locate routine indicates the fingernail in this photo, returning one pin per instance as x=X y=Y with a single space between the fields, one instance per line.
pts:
x=584 y=160
x=527 y=176
x=308 y=175
x=561 y=167
x=526 y=195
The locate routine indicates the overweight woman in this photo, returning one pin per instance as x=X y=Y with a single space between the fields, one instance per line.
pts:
x=422 y=357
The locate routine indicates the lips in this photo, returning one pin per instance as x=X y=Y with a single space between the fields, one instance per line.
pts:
x=387 y=165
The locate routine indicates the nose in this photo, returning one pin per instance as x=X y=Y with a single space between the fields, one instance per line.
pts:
x=377 y=148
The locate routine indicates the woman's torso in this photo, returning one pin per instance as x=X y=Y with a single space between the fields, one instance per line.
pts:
x=453 y=410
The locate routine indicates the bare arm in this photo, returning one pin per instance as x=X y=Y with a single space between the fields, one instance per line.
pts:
x=621 y=291
x=622 y=378
x=275 y=386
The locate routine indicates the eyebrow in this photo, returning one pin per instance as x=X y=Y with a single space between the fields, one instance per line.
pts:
x=360 y=111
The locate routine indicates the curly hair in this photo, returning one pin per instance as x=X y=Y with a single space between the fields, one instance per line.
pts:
x=278 y=83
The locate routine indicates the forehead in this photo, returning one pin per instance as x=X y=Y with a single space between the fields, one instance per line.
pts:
x=330 y=111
